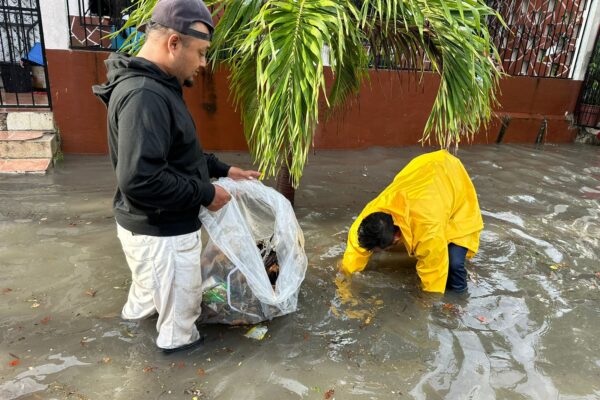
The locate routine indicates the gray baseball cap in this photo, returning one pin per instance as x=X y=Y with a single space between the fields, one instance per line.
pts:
x=180 y=15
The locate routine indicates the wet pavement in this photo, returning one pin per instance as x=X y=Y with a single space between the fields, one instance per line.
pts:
x=528 y=328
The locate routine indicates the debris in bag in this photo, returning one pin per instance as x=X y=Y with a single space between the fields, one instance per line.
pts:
x=250 y=243
x=257 y=332
x=269 y=257
x=214 y=293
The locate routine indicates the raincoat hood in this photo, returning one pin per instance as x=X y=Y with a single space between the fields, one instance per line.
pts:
x=121 y=67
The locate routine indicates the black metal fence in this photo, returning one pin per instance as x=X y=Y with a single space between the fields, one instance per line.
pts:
x=541 y=35
x=22 y=56
x=93 y=20
x=587 y=112
x=539 y=40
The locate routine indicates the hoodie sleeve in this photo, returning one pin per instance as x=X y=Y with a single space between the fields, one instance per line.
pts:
x=143 y=173
x=216 y=167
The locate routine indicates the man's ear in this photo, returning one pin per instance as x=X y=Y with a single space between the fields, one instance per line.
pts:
x=173 y=42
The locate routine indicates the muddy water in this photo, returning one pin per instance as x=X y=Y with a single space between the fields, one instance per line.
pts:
x=528 y=329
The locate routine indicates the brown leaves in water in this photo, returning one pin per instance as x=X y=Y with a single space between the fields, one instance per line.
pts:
x=91 y=292
x=329 y=394
x=201 y=372
x=106 y=360
x=451 y=309
x=7 y=289
x=149 y=369
x=45 y=320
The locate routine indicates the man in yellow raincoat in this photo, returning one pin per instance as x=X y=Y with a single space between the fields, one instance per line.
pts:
x=431 y=207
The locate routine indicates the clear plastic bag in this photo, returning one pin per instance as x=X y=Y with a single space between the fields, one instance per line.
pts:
x=236 y=286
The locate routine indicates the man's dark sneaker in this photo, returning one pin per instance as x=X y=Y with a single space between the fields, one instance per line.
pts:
x=188 y=346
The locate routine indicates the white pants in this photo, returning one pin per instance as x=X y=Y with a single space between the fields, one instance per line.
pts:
x=166 y=278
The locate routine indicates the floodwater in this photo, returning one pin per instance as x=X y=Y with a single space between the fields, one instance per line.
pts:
x=528 y=329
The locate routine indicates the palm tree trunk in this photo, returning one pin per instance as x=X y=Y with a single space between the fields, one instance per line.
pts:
x=284 y=184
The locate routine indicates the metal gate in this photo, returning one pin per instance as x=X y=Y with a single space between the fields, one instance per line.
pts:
x=23 y=67
x=587 y=112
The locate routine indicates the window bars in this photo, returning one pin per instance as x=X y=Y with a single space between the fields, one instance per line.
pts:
x=541 y=39
x=23 y=68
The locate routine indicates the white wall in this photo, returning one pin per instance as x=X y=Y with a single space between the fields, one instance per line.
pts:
x=586 y=43
x=55 y=23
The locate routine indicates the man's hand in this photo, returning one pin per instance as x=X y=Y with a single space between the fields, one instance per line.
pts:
x=222 y=197
x=239 y=174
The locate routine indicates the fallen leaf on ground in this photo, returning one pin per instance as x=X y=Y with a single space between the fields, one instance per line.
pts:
x=7 y=289
x=45 y=320
x=35 y=305
x=14 y=363
x=482 y=319
x=91 y=292
x=329 y=394
x=149 y=369
x=557 y=266
x=201 y=372
x=106 y=360
x=13 y=356
x=127 y=332
x=598 y=275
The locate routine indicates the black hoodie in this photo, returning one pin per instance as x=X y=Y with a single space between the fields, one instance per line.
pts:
x=163 y=176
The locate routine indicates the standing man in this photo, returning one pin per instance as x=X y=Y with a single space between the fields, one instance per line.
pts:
x=431 y=207
x=163 y=175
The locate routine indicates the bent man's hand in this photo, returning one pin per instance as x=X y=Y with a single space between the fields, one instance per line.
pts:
x=239 y=174
x=222 y=197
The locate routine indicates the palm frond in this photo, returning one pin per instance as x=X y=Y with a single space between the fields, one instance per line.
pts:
x=274 y=49
x=285 y=42
x=453 y=37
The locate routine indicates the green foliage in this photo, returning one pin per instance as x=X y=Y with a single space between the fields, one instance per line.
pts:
x=592 y=83
x=274 y=51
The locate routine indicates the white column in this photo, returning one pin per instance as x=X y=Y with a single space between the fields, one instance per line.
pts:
x=586 y=41
x=55 y=24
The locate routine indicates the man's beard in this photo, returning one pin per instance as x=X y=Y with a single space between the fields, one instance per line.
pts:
x=189 y=82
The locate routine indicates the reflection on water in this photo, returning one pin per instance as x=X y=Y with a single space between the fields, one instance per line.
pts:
x=31 y=380
x=527 y=329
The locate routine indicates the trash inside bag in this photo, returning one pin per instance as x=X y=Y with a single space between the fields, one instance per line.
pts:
x=254 y=261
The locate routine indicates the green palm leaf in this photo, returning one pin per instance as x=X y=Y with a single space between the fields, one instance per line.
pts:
x=452 y=36
x=274 y=49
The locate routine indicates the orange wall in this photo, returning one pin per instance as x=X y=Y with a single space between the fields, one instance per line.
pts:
x=391 y=110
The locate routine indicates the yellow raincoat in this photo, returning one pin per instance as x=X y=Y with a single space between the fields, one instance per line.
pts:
x=433 y=202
